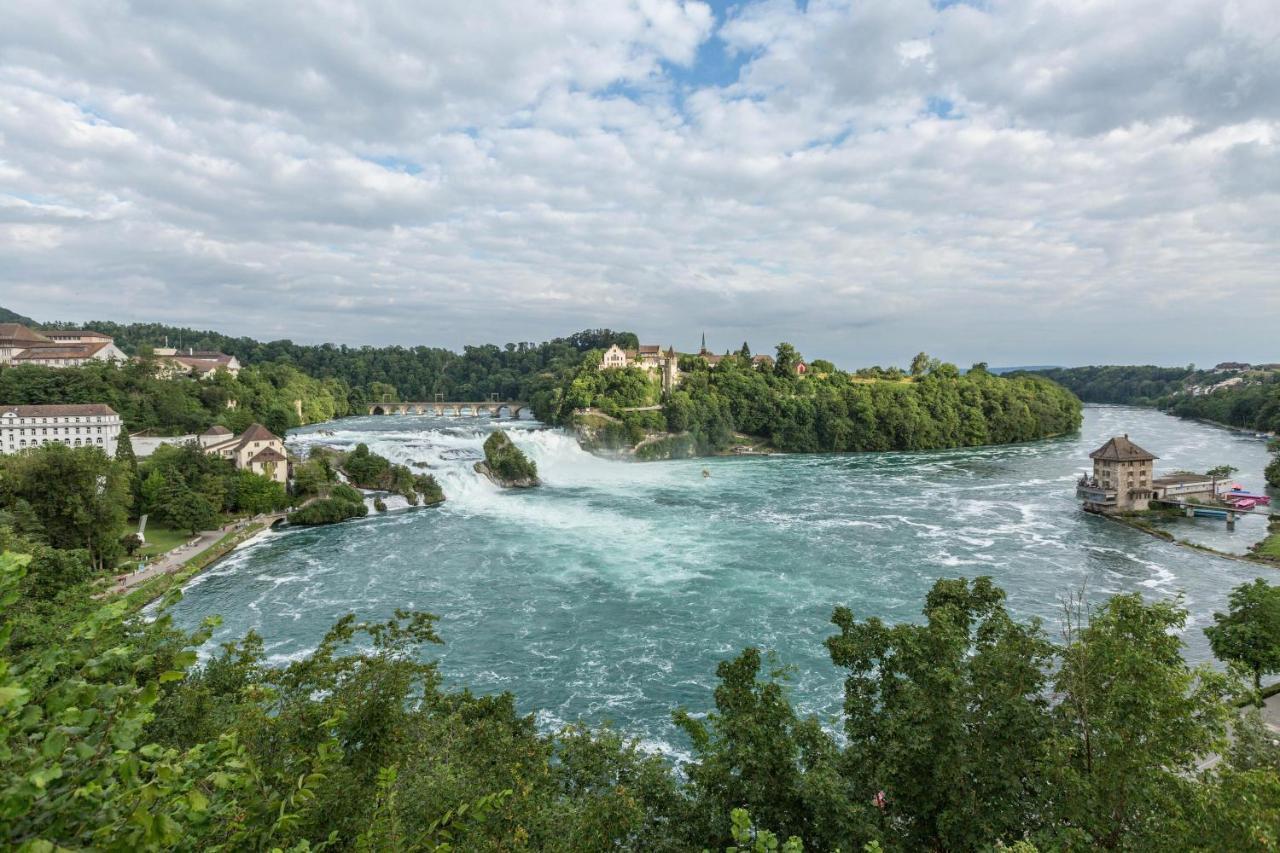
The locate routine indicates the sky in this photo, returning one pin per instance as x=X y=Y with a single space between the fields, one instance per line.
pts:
x=1011 y=181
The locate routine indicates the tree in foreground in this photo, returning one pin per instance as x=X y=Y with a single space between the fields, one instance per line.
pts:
x=1249 y=632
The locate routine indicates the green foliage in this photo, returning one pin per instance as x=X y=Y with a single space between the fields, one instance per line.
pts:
x=506 y=460
x=71 y=497
x=268 y=393
x=1249 y=633
x=949 y=718
x=426 y=485
x=368 y=470
x=828 y=411
x=346 y=379
x=1253 y=404
x=254 y=493
x=329 y=510
x=186 y=509
x=1272 y=472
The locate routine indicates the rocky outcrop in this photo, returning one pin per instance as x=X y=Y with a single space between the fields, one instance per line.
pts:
x=505 y=465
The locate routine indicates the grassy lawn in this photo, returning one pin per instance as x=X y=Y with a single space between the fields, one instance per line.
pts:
x=1270 y=547
x=161 y=539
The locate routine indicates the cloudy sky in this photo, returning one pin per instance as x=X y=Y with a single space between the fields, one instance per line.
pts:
x=1018 y=181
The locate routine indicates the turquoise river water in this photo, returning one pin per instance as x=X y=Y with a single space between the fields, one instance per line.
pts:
x=611 y=592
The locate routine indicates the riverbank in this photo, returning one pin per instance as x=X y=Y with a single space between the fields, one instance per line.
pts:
x=157 y=582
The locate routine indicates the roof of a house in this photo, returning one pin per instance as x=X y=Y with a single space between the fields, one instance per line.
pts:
x=18 y=333
x=75 y=409
x=76 y=333
x=44 y=353
x=1181 y=478
x=1121 y=449
x=650 y=348
x=217 y=429
x=257 y=432
x=268 y=454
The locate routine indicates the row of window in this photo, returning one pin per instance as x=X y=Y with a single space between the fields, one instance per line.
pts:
x=65 y=430
x=87 y=419
x=22 y=443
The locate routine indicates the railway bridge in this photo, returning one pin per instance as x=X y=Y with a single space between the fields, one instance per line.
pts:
x=440 y=408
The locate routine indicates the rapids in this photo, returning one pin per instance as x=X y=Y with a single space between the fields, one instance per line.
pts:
x=611 y=592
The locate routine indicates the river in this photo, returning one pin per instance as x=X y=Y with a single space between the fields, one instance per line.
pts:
x=612 y=592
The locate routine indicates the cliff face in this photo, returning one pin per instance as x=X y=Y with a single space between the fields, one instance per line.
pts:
x=506 y=465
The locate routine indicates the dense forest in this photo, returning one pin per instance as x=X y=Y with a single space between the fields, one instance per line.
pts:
x=1252 y=402
x=965 y=731
x=276 y=395
x=516 y=371
x=827 y=409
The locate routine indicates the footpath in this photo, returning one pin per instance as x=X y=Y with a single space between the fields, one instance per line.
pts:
x=184 y=555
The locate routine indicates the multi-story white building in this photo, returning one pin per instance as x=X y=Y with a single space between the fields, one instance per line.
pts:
x=81 y=425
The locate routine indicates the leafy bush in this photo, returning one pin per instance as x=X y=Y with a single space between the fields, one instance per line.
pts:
x=328 y=511
x=506 y=460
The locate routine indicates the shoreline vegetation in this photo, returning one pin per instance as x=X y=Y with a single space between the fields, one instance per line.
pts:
x=741 y=406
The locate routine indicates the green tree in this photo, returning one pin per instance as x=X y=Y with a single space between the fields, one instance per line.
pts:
x=1220 y=472
x=948 y=719
x=79 y=496
x=785 y=360
x=186 y=509
x=256 y=494
x=124 y=450
x=1133 y=722
x=1249 y=632
x=920 y=364
x=151 y=491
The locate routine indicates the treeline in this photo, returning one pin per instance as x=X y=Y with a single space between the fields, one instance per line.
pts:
x=1253 y=403
x=827 y=409
x=516 y=371
x=111 y=738
x=276 y=395
x=1138 y=385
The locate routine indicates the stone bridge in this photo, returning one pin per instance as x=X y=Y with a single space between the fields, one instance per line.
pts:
x=440 y=409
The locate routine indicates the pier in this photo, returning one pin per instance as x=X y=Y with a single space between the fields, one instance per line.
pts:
x=1224 y=511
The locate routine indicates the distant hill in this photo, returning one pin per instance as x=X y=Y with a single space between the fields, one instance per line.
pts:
x=998 y=371
x=7 y=316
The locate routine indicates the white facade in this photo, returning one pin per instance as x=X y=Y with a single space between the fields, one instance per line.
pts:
x=90 y=425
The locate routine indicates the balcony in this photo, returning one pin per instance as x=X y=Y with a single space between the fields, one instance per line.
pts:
x=1091 y=491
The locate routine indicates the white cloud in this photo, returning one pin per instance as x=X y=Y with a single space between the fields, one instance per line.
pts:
x=989 y=182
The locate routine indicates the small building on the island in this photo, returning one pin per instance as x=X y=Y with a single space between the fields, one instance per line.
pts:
x=1122 y=478
x=76 y=425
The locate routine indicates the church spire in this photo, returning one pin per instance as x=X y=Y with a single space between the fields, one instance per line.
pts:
x=704 y=341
